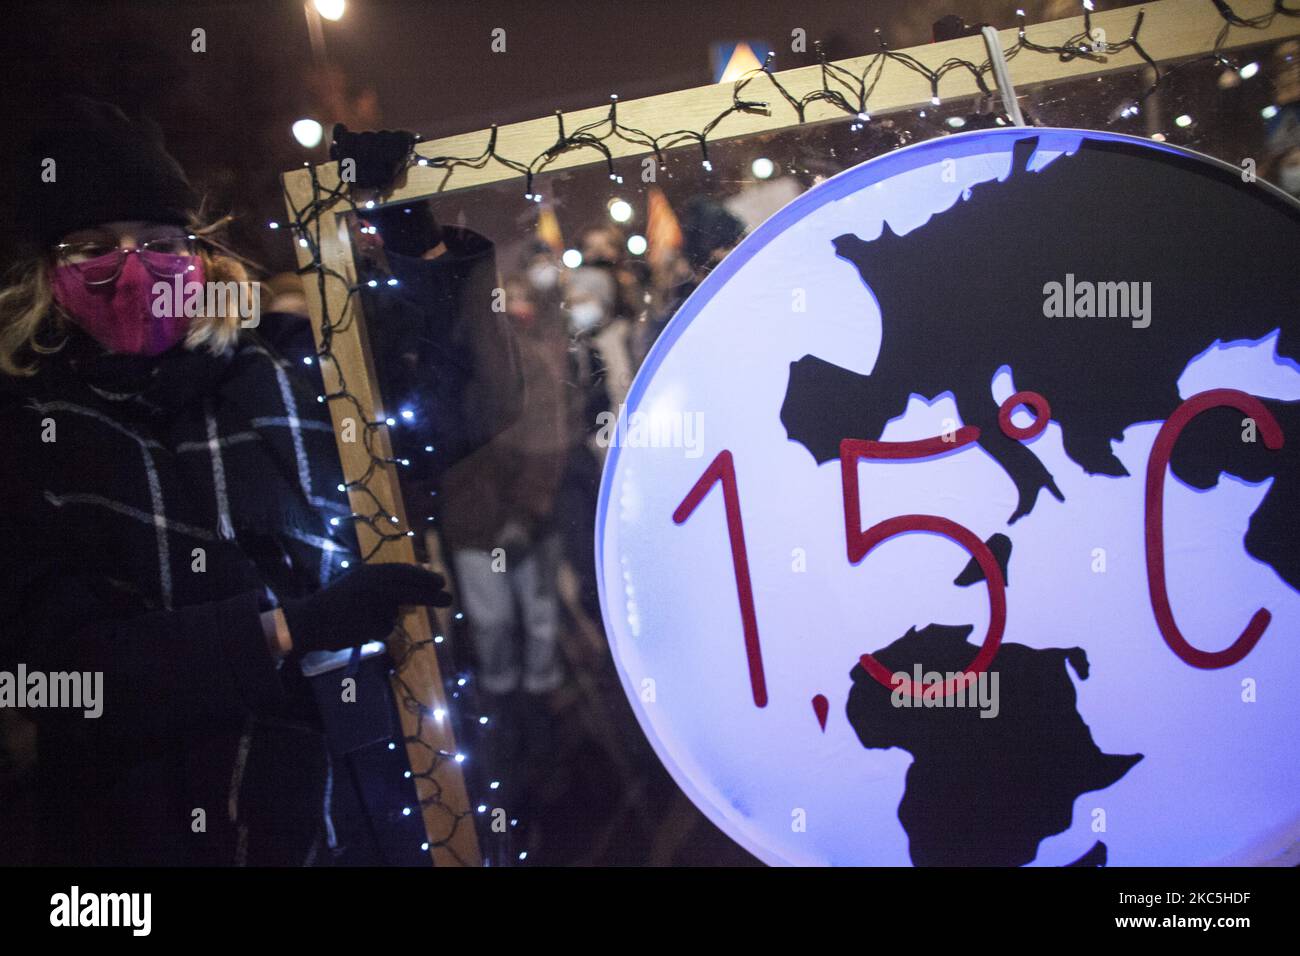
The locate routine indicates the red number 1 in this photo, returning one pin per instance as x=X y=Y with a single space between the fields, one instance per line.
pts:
x=723 y=469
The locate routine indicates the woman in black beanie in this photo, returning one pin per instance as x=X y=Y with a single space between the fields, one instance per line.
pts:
x=168 y=488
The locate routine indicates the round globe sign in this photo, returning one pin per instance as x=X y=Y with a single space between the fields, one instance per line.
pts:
x=953 y=520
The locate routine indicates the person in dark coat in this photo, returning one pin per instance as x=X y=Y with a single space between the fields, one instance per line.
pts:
x=447 y=360
x=169 y=483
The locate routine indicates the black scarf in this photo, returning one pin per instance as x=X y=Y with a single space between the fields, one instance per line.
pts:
x=188 y=461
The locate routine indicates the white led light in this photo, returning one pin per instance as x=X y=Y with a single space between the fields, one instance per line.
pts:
x=620 y=211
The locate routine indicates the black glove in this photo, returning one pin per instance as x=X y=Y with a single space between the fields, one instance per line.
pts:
x=379 y=156
x=361 y=606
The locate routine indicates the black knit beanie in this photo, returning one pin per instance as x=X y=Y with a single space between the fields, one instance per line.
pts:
x=409 y=229
x=106 y=168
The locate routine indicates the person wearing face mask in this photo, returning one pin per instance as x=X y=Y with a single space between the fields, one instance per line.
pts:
x=499 y=523
x=602 y=299
x=709 y=232
x=1288 y=171
x=446 y=357
x=543 y=274
x=168 y=481
x=1281 y=164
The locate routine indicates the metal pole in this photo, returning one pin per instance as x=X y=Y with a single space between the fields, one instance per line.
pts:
x=1001 y=76
x=316 y=33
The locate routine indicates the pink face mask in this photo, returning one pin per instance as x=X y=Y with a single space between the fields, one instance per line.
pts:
x=126 y=316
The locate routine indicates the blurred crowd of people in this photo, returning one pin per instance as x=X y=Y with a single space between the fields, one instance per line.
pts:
x=514 y=519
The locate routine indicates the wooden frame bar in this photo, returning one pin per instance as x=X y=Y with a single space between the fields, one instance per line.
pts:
x=1173 y=30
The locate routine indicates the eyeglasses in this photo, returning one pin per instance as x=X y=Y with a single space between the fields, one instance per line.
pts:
x=100 y=261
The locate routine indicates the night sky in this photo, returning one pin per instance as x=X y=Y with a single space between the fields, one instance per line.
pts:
x=425 y=66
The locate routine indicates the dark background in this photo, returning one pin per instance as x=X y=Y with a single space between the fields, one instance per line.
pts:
x=428 y=66
x=425 y=66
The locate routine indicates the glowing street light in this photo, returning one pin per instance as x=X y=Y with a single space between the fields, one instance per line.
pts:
x=620 y=210
x=316 y=11
x=330 y=9
x=308 y=132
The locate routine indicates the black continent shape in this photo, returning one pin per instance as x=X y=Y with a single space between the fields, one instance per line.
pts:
x=962 y=295
x=984 y=791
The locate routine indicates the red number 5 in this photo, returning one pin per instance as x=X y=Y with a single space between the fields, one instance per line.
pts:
x=861 y=542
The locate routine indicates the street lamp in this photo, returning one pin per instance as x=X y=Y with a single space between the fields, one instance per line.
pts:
x=314 y=11
x=330 y=9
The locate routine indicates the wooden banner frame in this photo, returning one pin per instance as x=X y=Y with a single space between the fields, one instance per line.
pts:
x=1172 y=30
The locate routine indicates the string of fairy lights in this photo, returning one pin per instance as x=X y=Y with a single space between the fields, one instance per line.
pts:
x=841 y=88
